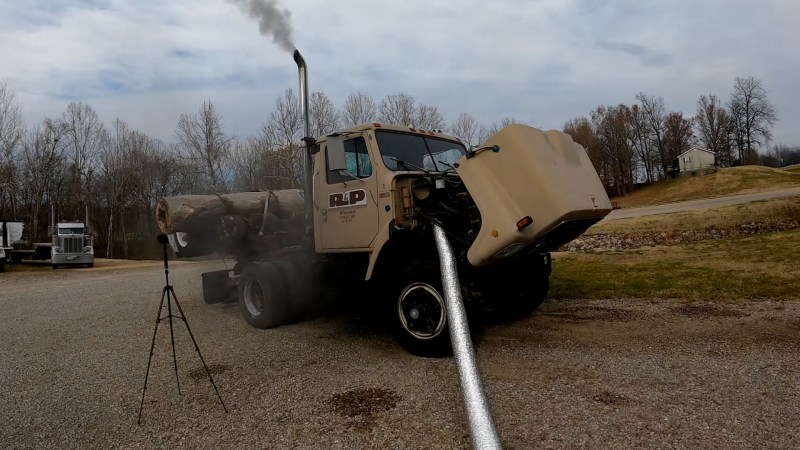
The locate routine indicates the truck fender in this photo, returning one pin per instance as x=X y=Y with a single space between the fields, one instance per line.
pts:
x=377 y=245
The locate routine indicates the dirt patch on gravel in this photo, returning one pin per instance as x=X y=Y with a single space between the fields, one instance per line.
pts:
x=363 y=402
x=610 y=398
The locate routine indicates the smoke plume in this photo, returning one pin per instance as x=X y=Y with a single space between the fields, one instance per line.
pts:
x=272 y=21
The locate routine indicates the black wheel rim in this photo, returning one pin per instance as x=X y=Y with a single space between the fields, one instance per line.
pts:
x=422 y=311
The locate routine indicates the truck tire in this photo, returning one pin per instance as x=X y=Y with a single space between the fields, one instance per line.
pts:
x=262 y=295
x=418 y=311
x=2 y=264
x=299 y=290
x=215 y=286
x=527 y=299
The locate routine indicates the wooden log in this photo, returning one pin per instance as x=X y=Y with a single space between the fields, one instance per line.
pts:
x=203 y=213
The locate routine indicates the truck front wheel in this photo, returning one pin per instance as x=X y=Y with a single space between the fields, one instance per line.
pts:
x=418 y=310
x=262 y=295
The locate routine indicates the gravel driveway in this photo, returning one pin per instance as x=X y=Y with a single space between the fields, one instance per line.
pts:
x=622 y=373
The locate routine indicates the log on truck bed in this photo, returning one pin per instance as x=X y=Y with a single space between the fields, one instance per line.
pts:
x=223 y=222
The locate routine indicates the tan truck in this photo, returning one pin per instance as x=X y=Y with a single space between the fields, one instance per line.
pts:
x=375 y=190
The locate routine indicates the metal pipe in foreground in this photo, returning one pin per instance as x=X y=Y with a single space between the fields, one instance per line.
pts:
x=482 y=430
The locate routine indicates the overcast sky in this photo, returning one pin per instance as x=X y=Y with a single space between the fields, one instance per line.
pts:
x=539 y=61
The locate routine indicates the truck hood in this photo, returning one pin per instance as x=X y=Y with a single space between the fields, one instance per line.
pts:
x=523 y=171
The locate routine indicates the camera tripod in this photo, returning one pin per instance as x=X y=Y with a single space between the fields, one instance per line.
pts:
x=168 y=293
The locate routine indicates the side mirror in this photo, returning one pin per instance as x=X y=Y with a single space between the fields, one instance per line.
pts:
x=335 y=153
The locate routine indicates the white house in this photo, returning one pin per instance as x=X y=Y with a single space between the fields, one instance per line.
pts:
x=695 y=159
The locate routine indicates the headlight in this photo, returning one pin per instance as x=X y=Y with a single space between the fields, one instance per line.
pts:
x=421 y=188
x=88 y=249
x=56 y=249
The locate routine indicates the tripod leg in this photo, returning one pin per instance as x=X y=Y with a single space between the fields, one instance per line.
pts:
x=196 y=347
x=150 y=359
x=168 y=290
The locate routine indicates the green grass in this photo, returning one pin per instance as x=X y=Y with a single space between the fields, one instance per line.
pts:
x=753 y=267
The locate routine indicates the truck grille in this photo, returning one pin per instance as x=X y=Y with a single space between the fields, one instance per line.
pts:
x=72 y=244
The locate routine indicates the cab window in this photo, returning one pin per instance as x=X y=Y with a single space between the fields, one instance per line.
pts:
x=356 y=159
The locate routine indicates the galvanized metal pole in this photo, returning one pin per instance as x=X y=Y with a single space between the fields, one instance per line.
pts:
x=482 y=430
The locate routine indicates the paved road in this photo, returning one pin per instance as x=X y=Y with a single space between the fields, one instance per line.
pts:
x=694 y=205
x=635 y=373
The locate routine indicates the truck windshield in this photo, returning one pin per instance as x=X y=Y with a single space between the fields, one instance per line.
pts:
x=70 y=231
x=416 y=151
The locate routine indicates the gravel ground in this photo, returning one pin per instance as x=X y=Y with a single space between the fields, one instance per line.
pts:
x=622 y=373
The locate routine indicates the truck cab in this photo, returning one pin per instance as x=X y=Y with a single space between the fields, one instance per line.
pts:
x=378 y=189
x=72 y=245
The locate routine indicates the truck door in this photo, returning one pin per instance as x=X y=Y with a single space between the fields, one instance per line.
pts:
x=347 y=212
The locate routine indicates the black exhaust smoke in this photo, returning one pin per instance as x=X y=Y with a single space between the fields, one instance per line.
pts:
x=272 y=20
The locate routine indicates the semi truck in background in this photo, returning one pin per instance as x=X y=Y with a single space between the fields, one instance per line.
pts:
x=72 y=242
x=10 y=233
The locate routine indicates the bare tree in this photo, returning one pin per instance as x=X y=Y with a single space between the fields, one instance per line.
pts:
x=713 y=126
x=202 y=141
x=115 y=174
x=467 y=127
x=655 y=113
x=359 y=108
x=678 y=136
x=83 y=132
x=428 y=118
x=282 y=132
x=12 y=131
x=154 y=178
x=398 y=109
x=323 y=115
x=582 y=132
x=752 y=114
x=644 y=142
x=42 y=166
x=248 y=159
x=614 y=135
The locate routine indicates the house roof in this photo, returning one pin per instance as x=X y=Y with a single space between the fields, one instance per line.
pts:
x=695 y=148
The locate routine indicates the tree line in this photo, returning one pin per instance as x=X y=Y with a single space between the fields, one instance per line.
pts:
x=75 y=160
x=640 y=143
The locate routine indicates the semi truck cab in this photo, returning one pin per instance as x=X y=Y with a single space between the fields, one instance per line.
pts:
x=72 y=245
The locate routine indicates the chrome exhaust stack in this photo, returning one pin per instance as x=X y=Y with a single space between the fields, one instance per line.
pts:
x=481 y=426
x=307 y=139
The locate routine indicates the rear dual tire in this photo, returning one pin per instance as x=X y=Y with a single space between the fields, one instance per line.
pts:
x=262 y=295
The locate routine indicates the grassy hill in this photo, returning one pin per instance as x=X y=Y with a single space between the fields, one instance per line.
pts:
x=729 y=181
